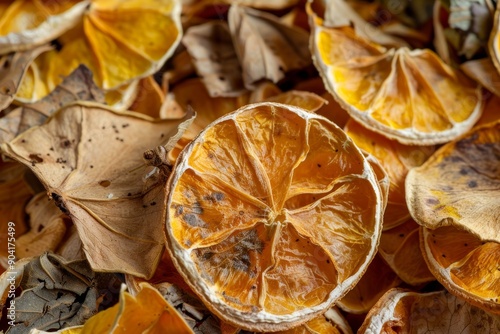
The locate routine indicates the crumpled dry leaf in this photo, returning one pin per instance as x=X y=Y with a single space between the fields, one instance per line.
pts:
x=211 y=49
x=14 y=194
x=12 y=70
x=57 y=293
x=266 y=47
x=25 y=24
x=146 y=313
x=78 y=86
x=89 y=159
x=339 y=14
x=47 y=228
x=435 y=312
x=484 y=72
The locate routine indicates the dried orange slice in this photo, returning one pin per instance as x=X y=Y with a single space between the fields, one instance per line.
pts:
x=377 y=279
x=494 y=42
x=401 y=311
x=119 y=41
x=397 y=159
x=465 y=265
x=400 y=248
x=411 y=96
x=459 y=185
x=272 y=215
x=28 y=23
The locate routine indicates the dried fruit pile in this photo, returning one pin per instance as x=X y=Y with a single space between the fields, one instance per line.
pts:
x=222 y=166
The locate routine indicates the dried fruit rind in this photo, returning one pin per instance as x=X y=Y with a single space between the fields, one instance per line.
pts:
x=411 y=96
x=458 y=185
x=465 y=265
x=273 y=214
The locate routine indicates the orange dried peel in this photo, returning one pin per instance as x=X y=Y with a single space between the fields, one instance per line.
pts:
x=272 y=215
x=411 y=96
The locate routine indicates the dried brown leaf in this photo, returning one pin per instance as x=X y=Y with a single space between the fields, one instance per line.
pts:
x=338 y=13
x=14 y=194
x=484 y=72
x=149 y=97
x=266 y=47
x=47 y=228
x=57 y=293
x=78 y=86
x=89 y=159
x=211 y=48
x=13 y=66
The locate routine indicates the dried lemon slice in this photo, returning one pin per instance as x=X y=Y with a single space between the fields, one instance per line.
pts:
x=272 y=215
x=411 y=96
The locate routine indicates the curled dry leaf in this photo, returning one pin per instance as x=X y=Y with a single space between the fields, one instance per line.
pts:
x=238 y=241
x=338 y=13
x=149 y=98
x=459 y=185
x=484 y=72
x=47 y=227
x=211 y=48
x=89 y=159
x=396 y=159
x=407 y=95
x=266 y=48
x=464 y=264
x=13 y=68
x=78 y=86
x=14 y=194
x=147 y=312
x=376 y=281
x=435 y=312
x=400 y=248
x=26 y=24
x=56 y=293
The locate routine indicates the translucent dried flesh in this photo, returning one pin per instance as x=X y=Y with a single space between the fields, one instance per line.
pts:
x=400 y=248
x=401 y=311
x=407 y=95
x=265 y=243
x=467 y=266
x=397 y=159
x=459 y=185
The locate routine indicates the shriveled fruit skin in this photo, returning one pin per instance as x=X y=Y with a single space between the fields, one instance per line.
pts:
x=273 y=214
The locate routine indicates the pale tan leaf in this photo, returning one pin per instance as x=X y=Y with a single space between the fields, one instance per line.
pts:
x=211 y=48
x=266 y=48
x=78 y=86
x=12 y=69
x=339 y=14
x=484 y=72
x=90 y=160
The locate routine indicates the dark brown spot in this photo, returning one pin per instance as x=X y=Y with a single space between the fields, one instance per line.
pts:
x=218 y=196
x=65 y=143
x=463 y=171
x=129 y=194
x=23 y=141
x=319 y=165
x=35 y=158
x=472 y=184
x=152 y=203
x=443 y=255
x=91 y=166
x=104 y=183
x=401 y=235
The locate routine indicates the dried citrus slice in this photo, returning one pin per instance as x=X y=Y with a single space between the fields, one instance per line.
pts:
x=272 y=215
x=377 y=279
x=494 y=42
x=401 y=311
x=119 y=41
x=28 y=23
x=459 y=185
x=400 y=248
x=465 y=265
x=397 y=159
x=407 y=95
